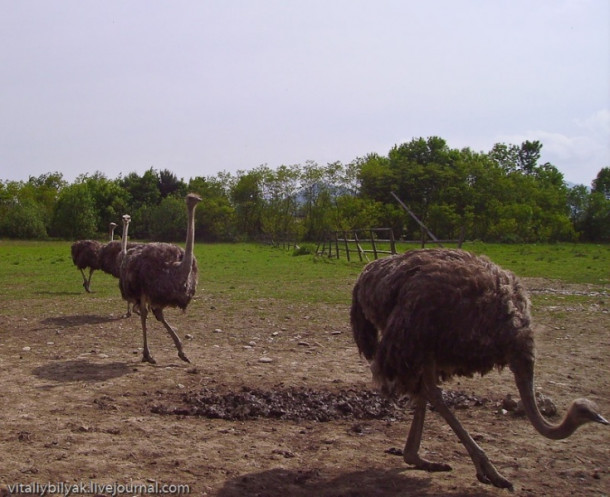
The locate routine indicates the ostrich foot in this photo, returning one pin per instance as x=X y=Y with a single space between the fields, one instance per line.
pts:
x=487 y=473
x=148 y=358
x=419 y=463
x=86 y=287
x=182 y=356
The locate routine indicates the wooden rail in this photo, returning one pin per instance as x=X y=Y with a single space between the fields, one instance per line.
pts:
x=374 y=241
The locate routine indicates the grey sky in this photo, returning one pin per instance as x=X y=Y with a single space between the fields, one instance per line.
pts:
x=199 y=87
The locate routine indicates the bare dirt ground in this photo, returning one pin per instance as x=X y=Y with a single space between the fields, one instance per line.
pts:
x=79 y=407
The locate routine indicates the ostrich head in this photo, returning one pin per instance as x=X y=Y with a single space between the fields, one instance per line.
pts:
x=192 y=199
x=126 y=218
x=585 y=411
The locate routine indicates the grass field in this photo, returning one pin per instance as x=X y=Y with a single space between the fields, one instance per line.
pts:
x=246 y=271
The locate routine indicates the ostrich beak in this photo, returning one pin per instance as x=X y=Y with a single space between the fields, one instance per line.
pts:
x=600 y=419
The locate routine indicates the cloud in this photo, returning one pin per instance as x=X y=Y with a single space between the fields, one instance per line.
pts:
x=578 y=155
x=597 y=124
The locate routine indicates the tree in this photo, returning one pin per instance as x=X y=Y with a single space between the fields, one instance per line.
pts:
x=22 y=219
x=596 y=224
x=512 y=158
x=601 y=183
x=110 y=200
x=578 y=201
x=168 y=220
x=74 y=216
x=143 y=190
x=280 y=201
x=169 y=184
x=376 y=178
x=215 y=217
x=44 y=191
x=247 y=198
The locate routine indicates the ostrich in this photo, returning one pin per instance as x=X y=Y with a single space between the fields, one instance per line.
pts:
x=85 y=254
x=427 y=315
x=158 y=275
x=110 y=256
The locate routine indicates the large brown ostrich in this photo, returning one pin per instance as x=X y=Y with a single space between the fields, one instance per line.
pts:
x=427 y=315
x=158 y=275
x=85 y=254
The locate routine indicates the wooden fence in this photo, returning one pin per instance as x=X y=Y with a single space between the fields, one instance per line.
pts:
x=375 y=241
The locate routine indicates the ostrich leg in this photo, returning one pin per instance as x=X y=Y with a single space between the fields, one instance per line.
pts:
x=411 y=452
x=86 y=281
x=486 y=472
x=158 y=312
x=146 y=357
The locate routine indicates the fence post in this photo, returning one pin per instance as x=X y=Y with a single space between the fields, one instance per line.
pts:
x=346 y=246
x=358 y=246
x=392 y=242
x=373 y=244
x=330 y=250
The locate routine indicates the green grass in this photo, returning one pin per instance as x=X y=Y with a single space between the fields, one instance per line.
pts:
x=569 y=262
x=250 y=272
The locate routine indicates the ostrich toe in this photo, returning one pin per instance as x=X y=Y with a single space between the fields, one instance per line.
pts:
x=425 y=465
x=487 y=473
x=148 y=358
x=182 y=356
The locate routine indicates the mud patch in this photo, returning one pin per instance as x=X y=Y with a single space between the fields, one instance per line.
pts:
x=299 y=404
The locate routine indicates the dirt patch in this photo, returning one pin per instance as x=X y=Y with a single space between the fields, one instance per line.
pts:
x=277 y=402
x=299 y=404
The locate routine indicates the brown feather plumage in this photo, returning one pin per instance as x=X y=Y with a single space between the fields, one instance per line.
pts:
x=427 y=315
x=85 y=254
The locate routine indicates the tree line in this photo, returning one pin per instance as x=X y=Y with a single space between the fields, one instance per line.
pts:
x=504 y=195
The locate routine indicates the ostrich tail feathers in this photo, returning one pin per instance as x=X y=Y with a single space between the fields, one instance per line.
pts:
x=365 y=332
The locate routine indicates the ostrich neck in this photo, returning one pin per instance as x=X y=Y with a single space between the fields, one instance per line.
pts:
x=124 y=239
x=546 y=429
x=187 y=262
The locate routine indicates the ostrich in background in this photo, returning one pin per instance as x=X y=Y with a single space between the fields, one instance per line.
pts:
x=85 y=254
x=427 y=315
x=159 y=275
x=111 y=254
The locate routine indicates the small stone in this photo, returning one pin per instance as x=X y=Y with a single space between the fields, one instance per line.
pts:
x=103 y=356
x=188 y=336
x=265 y=359
x=26 y=348
x=217 y=330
